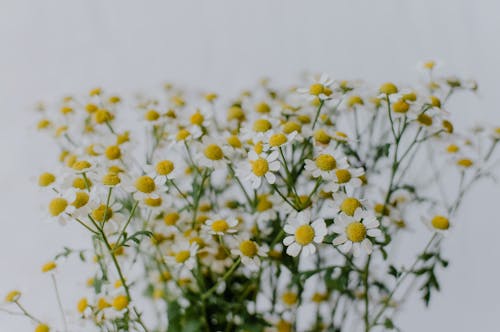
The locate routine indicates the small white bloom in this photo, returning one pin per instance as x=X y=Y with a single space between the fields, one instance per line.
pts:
x=303 y=234
x=354 y=232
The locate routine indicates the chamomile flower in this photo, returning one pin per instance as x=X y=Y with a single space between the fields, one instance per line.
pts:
x=438 y=223
x=344 y=204
x=259 y=167
x=353 y=232
x=325 y=163
x=303 y=234
x=211 y=153
x=320 y=88
x=183 y=255
x=148 y=185
x=250 y=253
x=348 y=178
x=221 y=226
x=60 y=207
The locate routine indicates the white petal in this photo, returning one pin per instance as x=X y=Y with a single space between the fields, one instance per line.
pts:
x=339 y=240
x=288 y=240
x=270 y=177
x=367 y=245
x=293 y=250
x=374 y=232
x=290 y=229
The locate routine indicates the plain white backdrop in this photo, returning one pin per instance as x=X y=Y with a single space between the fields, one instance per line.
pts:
x=52 y=48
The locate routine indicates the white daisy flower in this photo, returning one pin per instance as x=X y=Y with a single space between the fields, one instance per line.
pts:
x=303 y=234
x=260 y=166
x=320 y=88
x=211 y=153
x=250 y=253
x=183 y=255
x=344 y=204
x=325 y=163
x=221 y=226
x=438 y=223
x=148 y=185
x=60 y=207
x=348 y=178
x=354 y=232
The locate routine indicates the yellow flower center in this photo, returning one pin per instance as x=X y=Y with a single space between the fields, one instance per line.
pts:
x=101 y=116
x=13 y=296
x=262 y=125
x=356 y=232
x=214 y=152
x=42 y=124
x=42 y=328
x=80 y=183
x=153 y=202
x=264 y=204
x=262 y=108
x=260 y=167
x=171 y=218
x=120 y=302
x=91 y=108
x=46 y=179
x=322 y=136
x=113 y=152
x=425 y=119
x=197 y=119
x=145 y=184
x=235 y=113
x=400 y=106
x=382 y=209
x=102 y=213
x=182 y=135
x=289 y=298
x=388 y=88
x=448 y=126
x=111 y=179
x=429 y=64
x=220 y=226
x=248 y=248
x=164 y=167
x=291 y=126
x=452 y=148
x=234 y=141
x=316 y=89
x=151 y=115
x=82 y=305
x=304 y=234
x=49 y=266
x=349 y=205
x=465 y=162
x=354 y=100
x=343 y=175
x=277 y=140
x=283 y=326
x=440 y=222
x=411 y=96
x=122 y=138
x=66 y=110
x=326 y=162
x=81 y=165
x=258 y=147
x=81 y=199
x=435 y=101
x=102 y=304
x=57 y=206
x=182 y=256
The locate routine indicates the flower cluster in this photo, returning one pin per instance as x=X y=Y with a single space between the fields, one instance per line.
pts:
x=235 y=214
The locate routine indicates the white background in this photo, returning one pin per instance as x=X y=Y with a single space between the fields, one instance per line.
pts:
x=51 y=48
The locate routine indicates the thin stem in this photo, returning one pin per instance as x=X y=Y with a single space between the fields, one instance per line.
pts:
x=59 y=302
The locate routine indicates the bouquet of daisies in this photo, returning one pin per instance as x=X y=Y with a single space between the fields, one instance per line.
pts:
x=273 y=210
